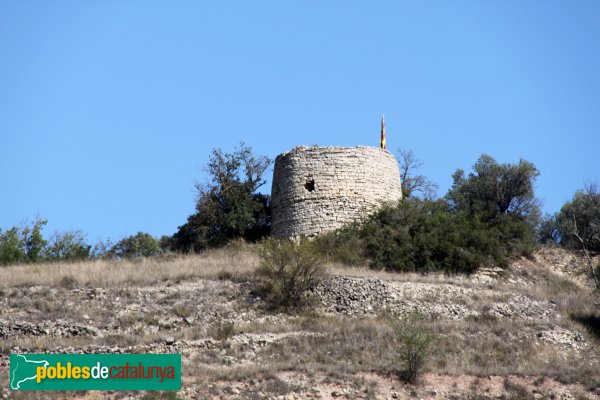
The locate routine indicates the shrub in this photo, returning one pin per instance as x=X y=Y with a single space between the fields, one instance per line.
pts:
x=485 y=219
x=288 y=271
x=138 y=245
x=426 y=235
x=183 y=310
x=517 y=391
x=223 y=330
x=68 y=282
x=415 y=341
x=343 y=245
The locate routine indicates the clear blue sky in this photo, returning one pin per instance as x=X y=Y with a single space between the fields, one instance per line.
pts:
x=109 y=109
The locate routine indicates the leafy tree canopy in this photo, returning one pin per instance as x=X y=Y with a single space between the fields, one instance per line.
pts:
x=69 y=246
x=578 y=222
x=139 y=245
x=493 y=189
x=229 y=206
x=23 y=244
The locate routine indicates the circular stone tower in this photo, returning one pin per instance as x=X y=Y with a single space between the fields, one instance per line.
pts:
x=319 y=189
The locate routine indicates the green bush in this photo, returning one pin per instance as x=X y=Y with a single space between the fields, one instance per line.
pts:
x=426 y=235
x=288 y=271
x=343 y=245
x=415 y=347
x=139 y=245
x=485 y=219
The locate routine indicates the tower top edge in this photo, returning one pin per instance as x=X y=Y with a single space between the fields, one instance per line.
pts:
x=307 y=149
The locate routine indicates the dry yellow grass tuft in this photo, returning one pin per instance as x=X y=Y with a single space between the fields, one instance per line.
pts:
x=235 y=261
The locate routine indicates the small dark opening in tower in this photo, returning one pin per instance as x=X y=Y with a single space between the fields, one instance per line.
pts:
x=310 y=185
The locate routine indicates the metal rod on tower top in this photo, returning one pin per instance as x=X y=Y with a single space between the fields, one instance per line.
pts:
x=382 y=140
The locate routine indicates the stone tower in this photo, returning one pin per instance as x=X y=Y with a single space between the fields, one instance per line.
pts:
x=319 y=189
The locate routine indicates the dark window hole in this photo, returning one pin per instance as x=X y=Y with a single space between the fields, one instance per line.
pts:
x=310 y=185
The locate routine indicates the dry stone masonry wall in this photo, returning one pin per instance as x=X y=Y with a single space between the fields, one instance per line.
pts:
x=319 y=189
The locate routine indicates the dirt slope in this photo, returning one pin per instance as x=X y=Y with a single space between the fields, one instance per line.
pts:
x=525 y=333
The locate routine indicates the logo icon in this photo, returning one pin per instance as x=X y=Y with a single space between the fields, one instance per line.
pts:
x=95 y=371
x=24 y=370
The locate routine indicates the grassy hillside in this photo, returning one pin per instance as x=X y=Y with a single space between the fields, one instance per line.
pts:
x=526 y=332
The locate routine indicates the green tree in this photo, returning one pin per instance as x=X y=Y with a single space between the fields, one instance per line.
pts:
x=23 y=245
x=102 y=248
x=11 y=249
x=578 y=222
x=33 y=241
x=165 y=243
x=578 y=226
x=68 y=246
x=547 y=232
x=228 y=207
x=494 y=189
x=139 y=245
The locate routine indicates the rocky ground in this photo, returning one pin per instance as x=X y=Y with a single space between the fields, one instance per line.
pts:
x=525 y=333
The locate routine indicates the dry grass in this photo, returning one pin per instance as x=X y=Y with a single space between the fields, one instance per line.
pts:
x=235 y=261
x=475 y=281
x=365 y=272
x=342 y=348
x=479 y=347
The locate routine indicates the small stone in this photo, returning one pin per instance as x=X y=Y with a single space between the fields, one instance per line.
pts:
x=170 y=340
